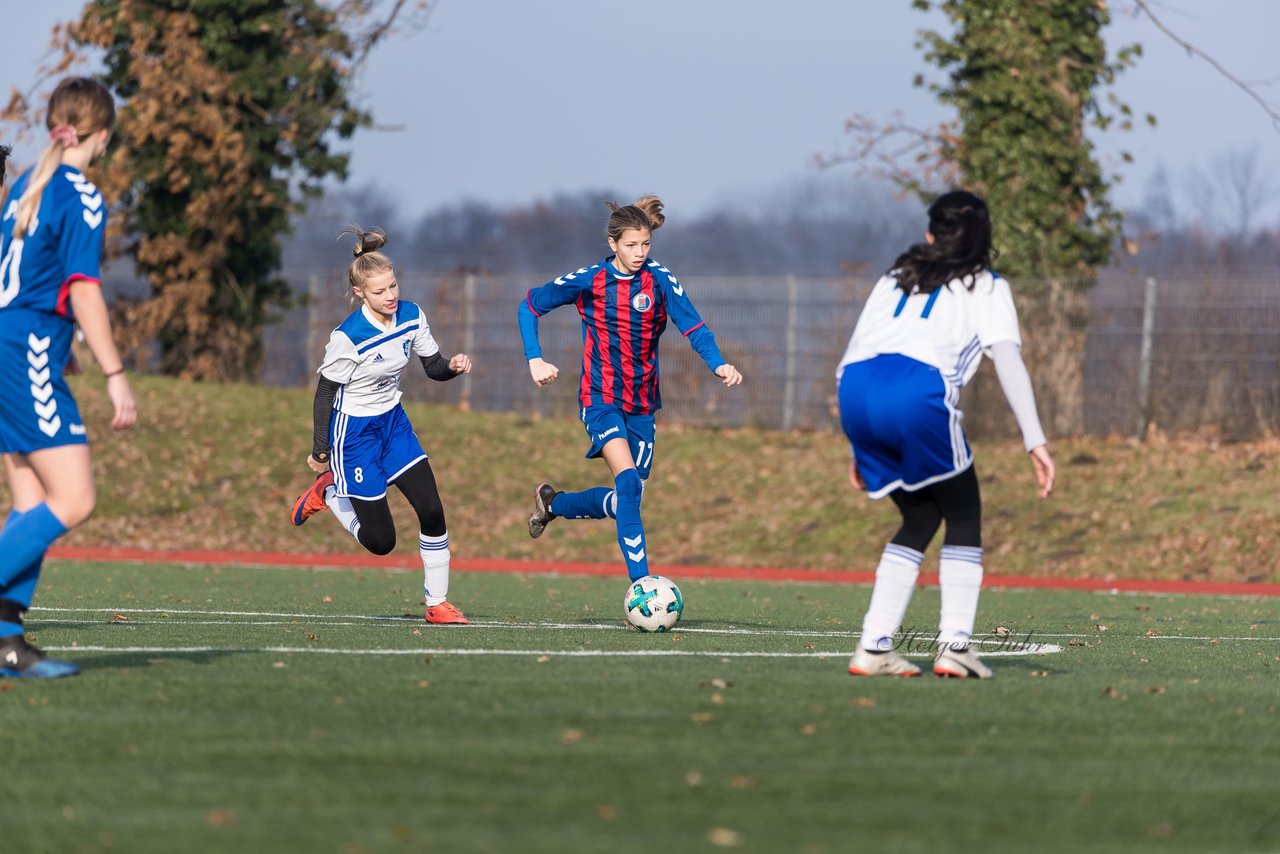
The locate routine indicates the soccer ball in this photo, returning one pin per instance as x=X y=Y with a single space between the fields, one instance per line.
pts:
x=653 y=603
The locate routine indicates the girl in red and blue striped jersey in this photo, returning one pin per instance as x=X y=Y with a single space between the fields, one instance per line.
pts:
x=625 y=302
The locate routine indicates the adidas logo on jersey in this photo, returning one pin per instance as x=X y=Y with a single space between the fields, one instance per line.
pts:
x=378 y=358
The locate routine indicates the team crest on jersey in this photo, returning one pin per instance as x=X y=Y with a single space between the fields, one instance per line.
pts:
x=642 y=302
x=407 y=345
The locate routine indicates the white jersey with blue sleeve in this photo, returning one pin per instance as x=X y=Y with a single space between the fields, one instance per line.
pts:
x=948 y=328
x=368 y=358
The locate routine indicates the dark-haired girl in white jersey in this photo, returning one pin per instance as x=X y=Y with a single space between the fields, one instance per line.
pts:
x=919 y=339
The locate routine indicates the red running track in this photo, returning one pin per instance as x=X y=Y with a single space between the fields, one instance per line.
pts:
x=535 y=567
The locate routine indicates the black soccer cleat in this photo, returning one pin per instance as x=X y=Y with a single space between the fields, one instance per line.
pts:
x=542 y=498
x=22 y=660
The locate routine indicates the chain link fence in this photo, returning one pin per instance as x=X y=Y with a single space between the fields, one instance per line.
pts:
x=1183 y=354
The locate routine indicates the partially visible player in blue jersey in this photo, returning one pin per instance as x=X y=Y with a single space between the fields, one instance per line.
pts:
x=362 y=439
x=50 y=247
x=624 y=301
x=919 y=339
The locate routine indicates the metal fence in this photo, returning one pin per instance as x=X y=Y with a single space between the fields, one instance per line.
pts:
x=1184 y=354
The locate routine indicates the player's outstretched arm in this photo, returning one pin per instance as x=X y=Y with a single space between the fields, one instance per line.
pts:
x=440 y=370
x=90 y=310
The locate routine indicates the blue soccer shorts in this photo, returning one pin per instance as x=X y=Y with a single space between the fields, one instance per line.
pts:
x=39 y=411
x=605 y=423
x=367 y=453
x=903 y=423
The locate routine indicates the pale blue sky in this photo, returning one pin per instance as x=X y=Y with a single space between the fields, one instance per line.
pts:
x=707 y=101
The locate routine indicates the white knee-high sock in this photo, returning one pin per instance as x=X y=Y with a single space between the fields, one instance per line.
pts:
x=960 y=577
x=435 y=567
x=895 y=582
x=343 y=512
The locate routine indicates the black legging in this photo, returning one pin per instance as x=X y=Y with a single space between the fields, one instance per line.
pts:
x=956 y=499
x=378 y=530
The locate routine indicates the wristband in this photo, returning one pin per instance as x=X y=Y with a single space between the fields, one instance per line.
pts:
x=113 y=373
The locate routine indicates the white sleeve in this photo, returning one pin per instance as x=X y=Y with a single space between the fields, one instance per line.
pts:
x=340 y=359
x=1016 y=384
x=997 y=318
x=423 y=342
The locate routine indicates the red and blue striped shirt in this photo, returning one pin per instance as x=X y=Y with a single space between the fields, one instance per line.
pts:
x=622 y=319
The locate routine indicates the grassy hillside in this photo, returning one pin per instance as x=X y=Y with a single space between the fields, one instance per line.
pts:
x=218 y=466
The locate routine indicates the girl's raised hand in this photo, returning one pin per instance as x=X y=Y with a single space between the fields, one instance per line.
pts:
x=729 y=375
x=543 y=372
x=1043 y=464
x=460 y=364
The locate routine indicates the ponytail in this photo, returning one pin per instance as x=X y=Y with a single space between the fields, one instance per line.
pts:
x=78 y=108
x=644 y=212
x=369 y=260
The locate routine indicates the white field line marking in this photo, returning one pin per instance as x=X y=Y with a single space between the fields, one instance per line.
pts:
x=1041 y=649
x=363 y=619
x=502 y=624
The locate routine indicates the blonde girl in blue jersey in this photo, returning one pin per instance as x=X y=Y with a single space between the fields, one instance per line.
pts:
x=919 y=339
x=362 y=440
x=50 y=249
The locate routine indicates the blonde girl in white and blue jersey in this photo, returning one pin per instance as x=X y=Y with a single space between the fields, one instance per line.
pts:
x=919 y=339
x=50 y=248
x=362 y=439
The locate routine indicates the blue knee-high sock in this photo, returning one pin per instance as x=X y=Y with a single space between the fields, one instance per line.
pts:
x=596 y=503
x=23 y=587
x=20 y=590
x=630 y=528
x=24 y=541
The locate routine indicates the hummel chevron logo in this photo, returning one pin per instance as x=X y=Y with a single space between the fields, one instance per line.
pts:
x=11 y=658
x=46 y=410
x=91 y=202
x=50 y=428
x=93 y=219
x=38 y=345
x=634 y=541
x=636 y=556
x=37 y=361
x=42 y=393
x=38 y=377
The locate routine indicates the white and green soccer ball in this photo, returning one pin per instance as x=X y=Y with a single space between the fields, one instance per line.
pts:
x=653 y=604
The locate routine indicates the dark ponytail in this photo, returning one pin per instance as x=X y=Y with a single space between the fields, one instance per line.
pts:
x=961 y=227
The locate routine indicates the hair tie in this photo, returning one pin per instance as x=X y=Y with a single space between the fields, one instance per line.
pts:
x=66 y=135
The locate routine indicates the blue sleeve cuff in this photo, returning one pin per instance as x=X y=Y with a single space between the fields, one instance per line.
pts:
x=704 y=344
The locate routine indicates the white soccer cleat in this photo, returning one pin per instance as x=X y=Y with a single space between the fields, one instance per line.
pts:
x=960 y=664
x=889 y=663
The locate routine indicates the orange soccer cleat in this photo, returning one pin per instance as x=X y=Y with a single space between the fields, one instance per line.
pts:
x=312 y=501
x=445 y=614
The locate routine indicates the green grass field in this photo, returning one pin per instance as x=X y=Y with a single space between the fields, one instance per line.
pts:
x=218 y=466
x=235 y=709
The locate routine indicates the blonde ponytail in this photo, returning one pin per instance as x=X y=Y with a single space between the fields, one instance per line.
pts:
x=369 y=260
x=78 y=108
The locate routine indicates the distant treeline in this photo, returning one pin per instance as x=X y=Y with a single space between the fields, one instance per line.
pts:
x=812 y=229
